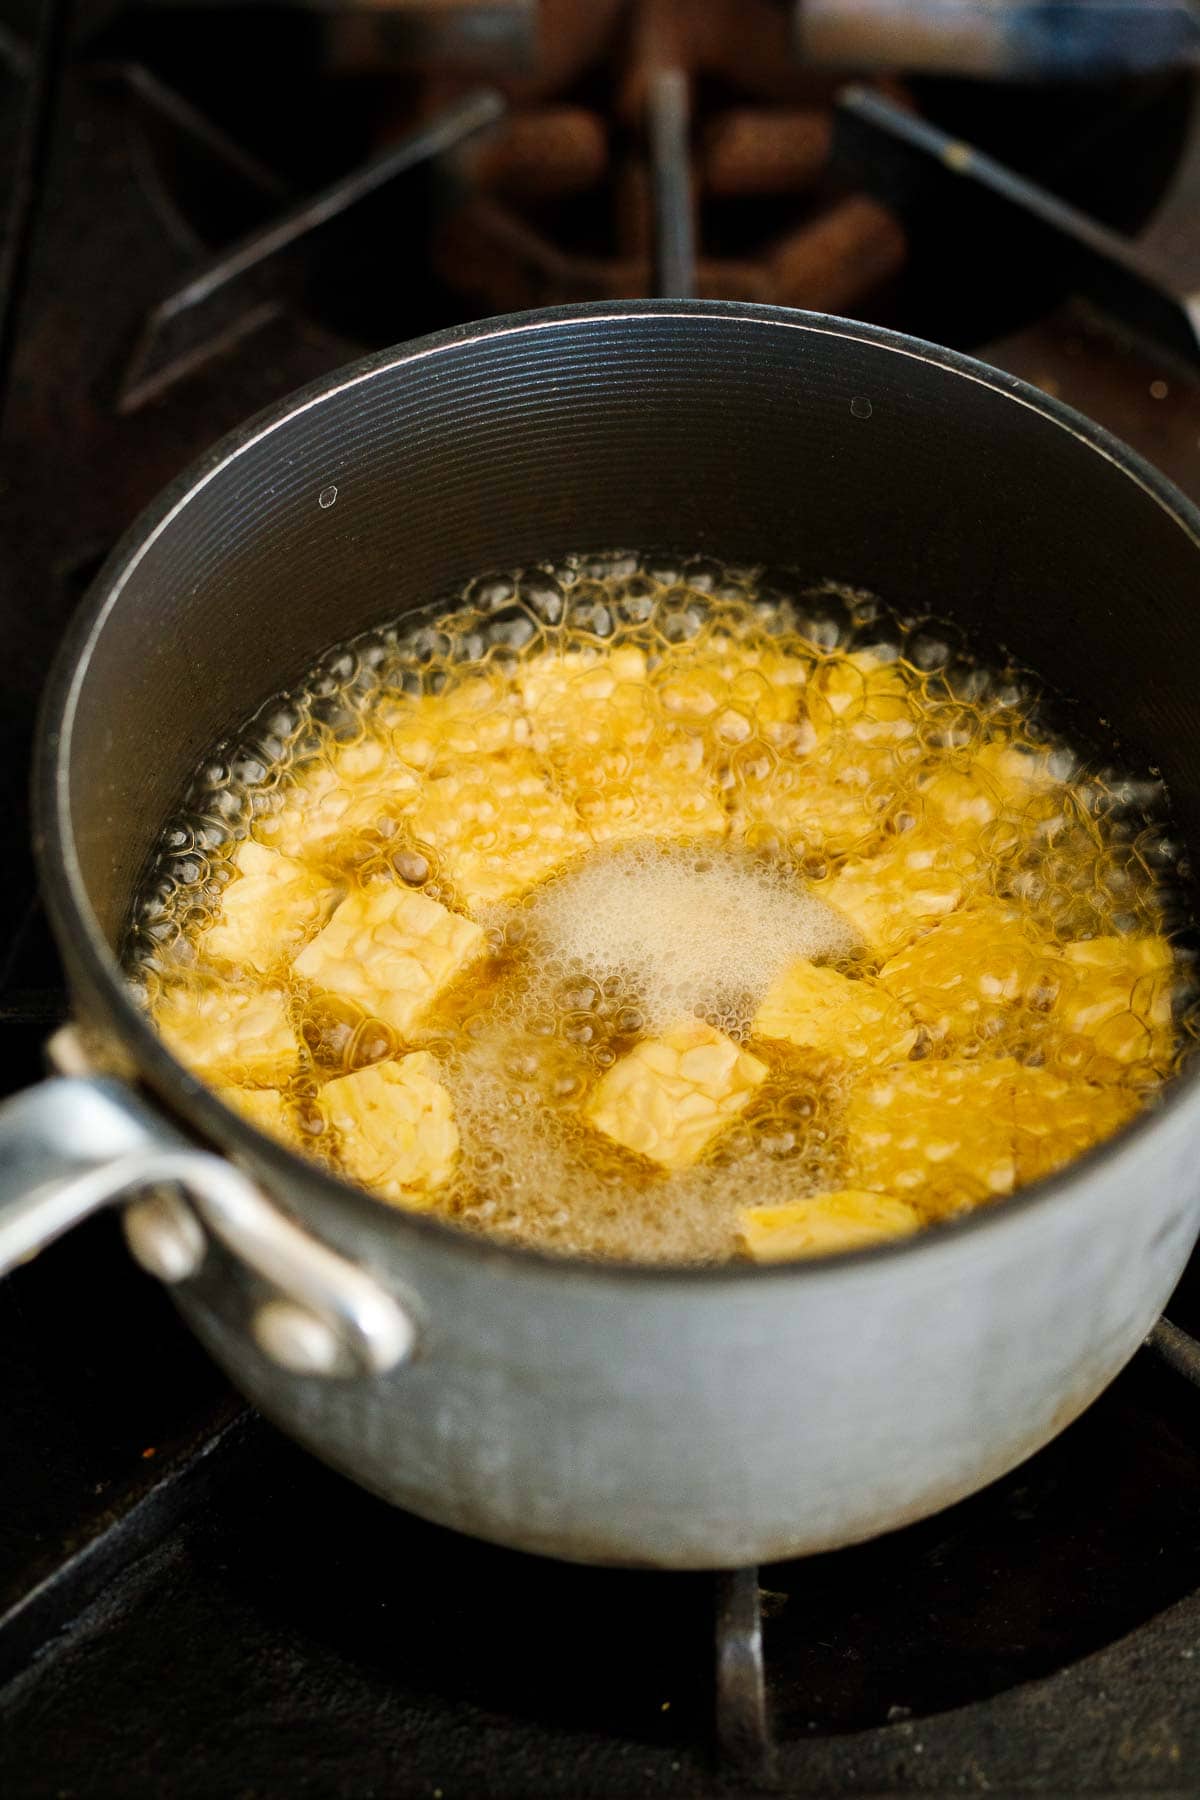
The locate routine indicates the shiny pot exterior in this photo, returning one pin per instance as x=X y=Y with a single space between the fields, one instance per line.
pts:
x=672 y=1417
x=722 y=1421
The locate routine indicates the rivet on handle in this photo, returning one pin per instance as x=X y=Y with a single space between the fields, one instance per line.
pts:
x=79 y=1143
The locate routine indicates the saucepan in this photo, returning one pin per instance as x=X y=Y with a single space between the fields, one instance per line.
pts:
x=608 y=1413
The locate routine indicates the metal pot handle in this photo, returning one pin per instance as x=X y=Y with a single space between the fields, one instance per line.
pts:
x=77 y=1143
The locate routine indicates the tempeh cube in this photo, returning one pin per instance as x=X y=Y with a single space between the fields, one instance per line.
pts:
x=476 y=717
x=660 y=791
x=1056 y=1119
x=362 y=788
x=820 y=1009
x=735 y=689
x=395 y=1128
x=575 y=698
x=672 y=1095
x=497 y=826
x=846 y=1220
x=229 y=1034
x=971 y=973
x=892 y=898
x=269 y=909
x=390 y=951
x=1116 y=999
x=265 y=1108
x=934 y=1124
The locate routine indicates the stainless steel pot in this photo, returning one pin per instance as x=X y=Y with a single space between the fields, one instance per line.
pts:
x=609 y=1414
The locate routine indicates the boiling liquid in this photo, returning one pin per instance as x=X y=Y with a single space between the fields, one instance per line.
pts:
x=643 y=778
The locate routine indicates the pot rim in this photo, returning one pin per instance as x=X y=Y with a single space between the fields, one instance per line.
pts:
x=76 y=925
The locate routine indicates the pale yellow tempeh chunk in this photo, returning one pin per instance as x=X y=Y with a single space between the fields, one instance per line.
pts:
x=626 y=771
x=999 y=782
x=1057 y=1119
x=845 y=1220
x=673 y=1094
x=479 y=716
x=1017 y=771
x=264 y=1107
x=834 y=799
x=939 y=1125
x=390 y=951
x=364 y=787
x=579 y=697
x=833 y=802
x=229 y=1034
x=497 y=826
x=735 y=688
x=660 y=791
x=862 y=690
x=395 y=1128
x=891 y=898
x=958 y=800
x=269 y=909
x=968 y=974
x=820 y=1009
x=1116 y=994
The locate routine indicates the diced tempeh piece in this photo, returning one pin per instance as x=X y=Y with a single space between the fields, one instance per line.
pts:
x=861 y=689
x=1056 y=1119
x=966 y=976
x=497 y=826
x=998 y=783
x=1017 y=772
x=659 y=791
x=575 y=698
x=479 y=716
x=945 y=1126
x=1117 y=994
x=832 y=802
x=229 y=1034
x=362 y=788
x=846 y=1220
x=821 y=1009
x=959 y=800
x=395 y=1126
x=835 y=798
x=673 y=1094
x=737 y=688
x=265 y=1108
x=269 y=909
x=627 y=771
x=891 y=898
x=390 y=951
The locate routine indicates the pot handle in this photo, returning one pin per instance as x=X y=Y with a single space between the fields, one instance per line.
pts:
x=77 y=1143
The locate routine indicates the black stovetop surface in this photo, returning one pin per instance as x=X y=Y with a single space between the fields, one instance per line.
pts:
x=189 y=1605
x=274 y=1631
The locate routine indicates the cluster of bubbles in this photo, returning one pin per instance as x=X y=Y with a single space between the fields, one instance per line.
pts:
x=621 y=942
x=617 y=948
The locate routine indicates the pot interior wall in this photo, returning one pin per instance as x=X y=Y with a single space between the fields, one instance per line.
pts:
x=737 y=433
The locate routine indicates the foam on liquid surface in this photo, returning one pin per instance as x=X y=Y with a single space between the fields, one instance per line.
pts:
x=687 y=930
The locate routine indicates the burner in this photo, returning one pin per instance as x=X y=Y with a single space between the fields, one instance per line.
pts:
x=647 y=124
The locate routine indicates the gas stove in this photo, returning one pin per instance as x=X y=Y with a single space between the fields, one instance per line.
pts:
x=209 y=206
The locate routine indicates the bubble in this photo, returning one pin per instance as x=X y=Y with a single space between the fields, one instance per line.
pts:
x=412 y=867
x=544 y=597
